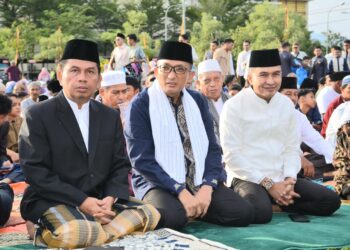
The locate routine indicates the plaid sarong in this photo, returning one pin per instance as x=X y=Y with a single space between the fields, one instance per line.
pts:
x=67 y=227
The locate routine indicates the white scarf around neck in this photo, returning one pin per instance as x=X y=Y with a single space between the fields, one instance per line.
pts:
x=169 y=151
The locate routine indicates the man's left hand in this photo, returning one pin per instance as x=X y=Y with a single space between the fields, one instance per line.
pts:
x=203 y=197
x=106 y=204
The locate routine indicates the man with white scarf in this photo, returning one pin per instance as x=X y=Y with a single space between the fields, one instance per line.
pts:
x=173 y=150
x=258 y=134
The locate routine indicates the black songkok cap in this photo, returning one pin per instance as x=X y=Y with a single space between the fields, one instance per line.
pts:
x=82 y=50
x=338 y=76
x=264 y=58
x=172 y=50
x=309 y=84
x=288 y=83
x=132 y=81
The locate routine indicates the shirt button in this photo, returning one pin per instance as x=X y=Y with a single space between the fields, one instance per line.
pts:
x=92 y=175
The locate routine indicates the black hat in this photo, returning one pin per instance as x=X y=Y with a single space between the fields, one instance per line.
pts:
x=338 y=76
x=309 y=84
x=288 y=83
x=264 y=58
x=172 y=50
x=54 y=86
x=132 y=81
x=120 y=35
x=82 y=50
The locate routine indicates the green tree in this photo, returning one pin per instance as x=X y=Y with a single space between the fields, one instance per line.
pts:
x=52 y=47
x=205 y=31
x=72 y=19
x=231 y=13
x=333 y=38
x=266 y=28
x=137 y=21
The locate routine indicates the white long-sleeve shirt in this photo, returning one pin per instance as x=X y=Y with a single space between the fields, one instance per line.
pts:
x=242 y=62
x=260 y=139
x=335 y=122
x=308 y=135
x=325 y=97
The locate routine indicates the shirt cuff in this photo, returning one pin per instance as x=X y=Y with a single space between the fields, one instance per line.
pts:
x=178 y=187
x=213 y=183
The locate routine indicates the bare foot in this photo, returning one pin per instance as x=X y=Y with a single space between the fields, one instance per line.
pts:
x=30 y=229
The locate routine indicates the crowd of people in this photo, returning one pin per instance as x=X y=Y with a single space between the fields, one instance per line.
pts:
x=145 y=144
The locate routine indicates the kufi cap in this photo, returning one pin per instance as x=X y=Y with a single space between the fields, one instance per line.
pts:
x=82 y=50
x=132 y=81
x=111 y=78
x=288 y=83
x=309 y=84
x=208 y=66
x=172 y=50
x=264 y=58
x=338 y=76
x=346 y=81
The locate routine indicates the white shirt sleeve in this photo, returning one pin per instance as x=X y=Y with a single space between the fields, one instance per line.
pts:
x=332 y=128
x=239 y=70
x=291 y=156
x=314 y=140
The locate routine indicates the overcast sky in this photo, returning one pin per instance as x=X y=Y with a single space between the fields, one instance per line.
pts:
x=339 y=18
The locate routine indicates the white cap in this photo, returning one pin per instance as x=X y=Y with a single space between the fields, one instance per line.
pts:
x=111 y=78
x=208 y=66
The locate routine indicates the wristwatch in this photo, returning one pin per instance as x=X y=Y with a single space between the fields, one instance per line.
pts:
x=267 y=183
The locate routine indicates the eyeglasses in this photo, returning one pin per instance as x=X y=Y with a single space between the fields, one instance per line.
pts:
x=177 y=69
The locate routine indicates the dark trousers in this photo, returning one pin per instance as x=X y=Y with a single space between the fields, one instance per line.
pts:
x=315 y=199
x=6 y=200
x=226 y=208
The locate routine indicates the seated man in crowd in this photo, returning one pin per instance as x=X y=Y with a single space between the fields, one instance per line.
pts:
x=210 y=82
x=113 y=89
x=342 y=157
x=260 y=142
x=172 y=147
x=72 y=153
x=343 y=97
x=330 y=92
x=316 y=163
x=6 y=193
x=134 y=87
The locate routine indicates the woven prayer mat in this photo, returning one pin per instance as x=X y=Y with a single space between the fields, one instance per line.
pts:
x=282 y=233
x=166 y=239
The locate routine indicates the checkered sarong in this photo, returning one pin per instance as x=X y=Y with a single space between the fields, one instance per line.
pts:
x=67 y=227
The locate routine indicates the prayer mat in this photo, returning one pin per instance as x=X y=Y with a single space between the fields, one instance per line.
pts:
x=166 y=239
x=15 y=217
x=281 y=232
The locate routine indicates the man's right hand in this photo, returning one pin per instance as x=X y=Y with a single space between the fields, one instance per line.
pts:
x=190 y=203
x=308 y=167
x=277 y=192
x=92 y=207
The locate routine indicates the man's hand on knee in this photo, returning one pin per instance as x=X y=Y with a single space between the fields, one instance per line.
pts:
x=190 y=203
x=93 y=207
x=203 y=197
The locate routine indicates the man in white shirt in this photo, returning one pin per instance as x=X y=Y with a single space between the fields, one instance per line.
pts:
x=330 y=92
x=120 y=54
x=307 y=134
x=242 y=61
x=210 y=84
x=335 y=122
x=297 y=53
x=259 y=138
